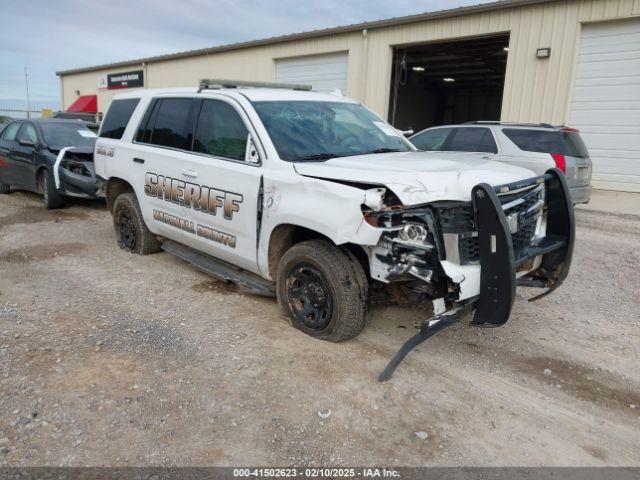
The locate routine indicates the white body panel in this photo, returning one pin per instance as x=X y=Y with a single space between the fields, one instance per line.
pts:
x=418 y=177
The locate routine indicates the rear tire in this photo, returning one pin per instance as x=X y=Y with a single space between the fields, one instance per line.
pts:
x=324 y=290
x=4 y=188
x=47 y=188
x=131 y=231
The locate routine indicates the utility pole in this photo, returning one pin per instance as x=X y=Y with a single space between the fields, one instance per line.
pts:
x=26 y=80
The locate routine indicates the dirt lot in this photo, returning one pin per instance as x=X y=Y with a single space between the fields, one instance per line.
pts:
x=108 y=358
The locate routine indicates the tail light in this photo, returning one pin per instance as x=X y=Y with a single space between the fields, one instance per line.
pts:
x=561 y=163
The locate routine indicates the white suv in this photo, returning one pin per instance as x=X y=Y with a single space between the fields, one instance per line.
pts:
x=537 y=147
x=311 y=197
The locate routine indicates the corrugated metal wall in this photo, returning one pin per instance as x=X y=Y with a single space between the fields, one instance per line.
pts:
x=535 y=90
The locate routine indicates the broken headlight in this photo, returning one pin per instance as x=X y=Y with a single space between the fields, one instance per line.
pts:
x=413 y=235
x=409 y=248
x=409 y=228
x=413 y=232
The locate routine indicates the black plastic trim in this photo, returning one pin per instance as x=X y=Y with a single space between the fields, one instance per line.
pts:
x=497 y=259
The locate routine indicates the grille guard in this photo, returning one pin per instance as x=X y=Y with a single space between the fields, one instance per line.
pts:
x=497 y=257
x=498 y=260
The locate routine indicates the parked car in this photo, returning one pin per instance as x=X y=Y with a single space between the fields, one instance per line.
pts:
x=537 y=147
x=311 y=197
x=91 y=120
x=51 y=157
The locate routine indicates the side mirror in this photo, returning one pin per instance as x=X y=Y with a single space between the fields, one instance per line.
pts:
x=251 y=154
x=26 y=143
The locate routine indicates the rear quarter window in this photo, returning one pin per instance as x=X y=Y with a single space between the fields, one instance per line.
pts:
x=544 y=141
x=169 y=123
x=10 y=132
x=117 y=118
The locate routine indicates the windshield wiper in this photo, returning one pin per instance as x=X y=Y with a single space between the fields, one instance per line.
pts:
x=317 y=157
x=385 y=150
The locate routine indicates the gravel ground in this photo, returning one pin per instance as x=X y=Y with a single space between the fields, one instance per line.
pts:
x=108 y=358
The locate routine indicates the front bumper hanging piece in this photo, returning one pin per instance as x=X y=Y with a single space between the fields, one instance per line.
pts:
x=427 y=330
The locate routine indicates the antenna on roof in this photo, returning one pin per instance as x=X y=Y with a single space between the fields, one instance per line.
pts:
x=217 y=84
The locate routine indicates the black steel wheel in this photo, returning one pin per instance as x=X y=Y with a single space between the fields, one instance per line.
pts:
x=323 y=289
x=127 y=230
x=309 y=296
x=133 y=234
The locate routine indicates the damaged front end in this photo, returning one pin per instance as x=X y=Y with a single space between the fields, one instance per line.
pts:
x=410 y=250
x=472 y=255
x=74 y=173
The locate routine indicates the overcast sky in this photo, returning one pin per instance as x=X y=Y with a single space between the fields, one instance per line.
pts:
x=50 y=35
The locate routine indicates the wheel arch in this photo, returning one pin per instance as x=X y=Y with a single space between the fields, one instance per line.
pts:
x=285 y=235
x=115 y=187
x=38 y=172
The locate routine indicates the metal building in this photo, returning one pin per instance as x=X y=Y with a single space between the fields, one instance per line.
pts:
x=573 y=62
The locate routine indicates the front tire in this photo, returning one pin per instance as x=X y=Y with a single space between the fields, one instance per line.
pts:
x=131 y=231
x=47 y=188
x=324 y=290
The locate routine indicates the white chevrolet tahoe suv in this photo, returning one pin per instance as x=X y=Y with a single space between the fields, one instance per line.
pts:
x=313 y=198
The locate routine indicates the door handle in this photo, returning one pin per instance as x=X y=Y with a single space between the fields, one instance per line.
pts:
x=190 y=173
x=138 y=160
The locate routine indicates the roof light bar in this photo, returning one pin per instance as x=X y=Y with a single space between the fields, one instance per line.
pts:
x=217 y=84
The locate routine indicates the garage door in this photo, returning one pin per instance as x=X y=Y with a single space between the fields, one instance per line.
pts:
x=606 y=102
x=323 y=72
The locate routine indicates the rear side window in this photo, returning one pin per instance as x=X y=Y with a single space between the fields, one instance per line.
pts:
x=170 y=123
x=28 y=133
x=220 y=131
x=117 y=118
x=472 y=139
x=544 y=141
x=11 y=131
x=431 y=140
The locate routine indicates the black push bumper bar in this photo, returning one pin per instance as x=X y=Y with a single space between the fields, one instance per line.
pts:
x=498 y=260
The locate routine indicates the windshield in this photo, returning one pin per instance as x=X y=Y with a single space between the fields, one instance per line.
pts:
x=315 y=131
x=68 y=134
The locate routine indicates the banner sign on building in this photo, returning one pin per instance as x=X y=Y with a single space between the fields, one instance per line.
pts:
x=132 y=79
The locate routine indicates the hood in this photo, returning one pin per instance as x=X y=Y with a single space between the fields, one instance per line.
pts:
x=418 y=177
x=80 y=150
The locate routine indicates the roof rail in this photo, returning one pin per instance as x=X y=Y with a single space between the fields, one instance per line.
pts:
x=496 y=122
x=216 y=84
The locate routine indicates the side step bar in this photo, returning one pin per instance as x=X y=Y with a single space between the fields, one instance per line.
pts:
x=224 y=271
